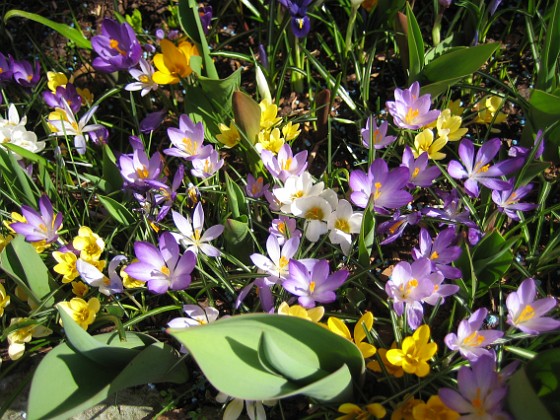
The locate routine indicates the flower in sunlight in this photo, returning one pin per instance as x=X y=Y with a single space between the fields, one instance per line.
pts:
x=234 y=407
x=116 y=46
x=353 y=411
x=84 y=313
x=173 y=63
x=375 y=134
x=22 y=335
x=312 y=314
x=187 y=140
x=229 y=136
x=37 y=226
x=190 y=232
x=433 y=409
x=410 y=110
x=415 y=353
x=365 y=322
x=391 y=369
x=144 y=78
x=4 y=299
x=424 y=143
x=196 y=315
x=66 y=265
x=269 y=140
x=449 y=126
x=79 y=288
x=489 y=110
x=90 y=244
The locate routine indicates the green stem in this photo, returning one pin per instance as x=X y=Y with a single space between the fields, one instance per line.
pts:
x=350 y=29
x=297 y=78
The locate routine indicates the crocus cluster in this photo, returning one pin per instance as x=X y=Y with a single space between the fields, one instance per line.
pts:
x=13 y=131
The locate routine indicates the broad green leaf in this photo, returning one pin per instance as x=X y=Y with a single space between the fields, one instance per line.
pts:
x=415 y=46
x=16 y=183
x=117 y=211
x=236 y=198
x=21 y=262
x=30 y=156
x=65 y=30
x=437 y=88
x=111 y=172
x=237 y=239
x=458 y=63
x=247 y=114
x=229 y=352
x=544 y=113
x=491 y=258
x=366 y=238
x=547 y=76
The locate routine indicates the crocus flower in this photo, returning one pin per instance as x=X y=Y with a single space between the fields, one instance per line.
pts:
x=66 y=265
x=234 y=408
x=84 y=313
x=255 y=187
x=316 y=211
x=89 y=244
x=5 y=300
x=410 y=110
x=205 y=14
x=173 y=62
x=187 y=140
x=489 y=110
x=449 y=126
x=276 y=263
x=100 y=136
x=526 y=313
x=519 y=151
x=25 y=74
x=300 y=23
x=229 y=136
x=285 y=163
x=162 y=268
x=508 y=200
x=450 y=212
x=337 y=326
x=376 y=134
x=315 y=284
x=313 y=314
x=20 y=336
x=470 y=340
x=94 y=277
x=353 y=411
x=5 y=69
x=190 y=232
x=442 y=251
x=117 y=47
x=342 y=223
x=425 y=143
x=296 y=187
x=415 y=353
x=481 y=394
x=208 y=166
x=434 y=408
x=68 y=92
x=394 y=228
x=196 y=316
x=166 y=195
x=152 y=121
x=40 y=225
x=478 y=169
x=141 y=172
x=284 y=228
x=381 y=187
x=144 y=82
x=421 y=175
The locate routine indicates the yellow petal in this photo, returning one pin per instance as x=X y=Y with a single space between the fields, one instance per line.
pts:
x=395 y=357
x=339 y=327
x=365 y=320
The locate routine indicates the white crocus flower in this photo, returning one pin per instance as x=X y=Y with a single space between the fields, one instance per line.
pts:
x=145 y=82
x=13 y=119
x=68 y=126
x=191 y=235
x=315 y=210
x=255 y=409
x=342 y=223
x=296 y=187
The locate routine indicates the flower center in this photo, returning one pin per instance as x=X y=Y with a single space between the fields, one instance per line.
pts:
x=377 y=192
x=283 y=262
x=142 y=172
x=343 y=225
x=314 y=213
x=189 y=146
x=474 y=340
x=434 y=256
x=526 y=314
x=282 y=228
x=411 y=115
x=287 y=164
x=114 y=44
x=165 y=270
x=144 y=79
x=415 y=172
x=312 y=287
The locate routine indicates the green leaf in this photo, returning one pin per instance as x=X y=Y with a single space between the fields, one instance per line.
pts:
x=65 y=30
x=117 y=211
x=458 y=63
x=237 y=238
x=547 y=76
x=263 y=356
x=21 y=262
x=247 y=114
x=16 y=182
x=236 y=198
x=366 y=238
x=437 y=88
x=415 y=45
x=491 y=258
x=111 y=173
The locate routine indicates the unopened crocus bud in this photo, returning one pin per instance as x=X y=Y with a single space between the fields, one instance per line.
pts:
x=262 y=84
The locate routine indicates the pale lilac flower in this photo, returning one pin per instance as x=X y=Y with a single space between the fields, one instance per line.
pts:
x=276 y=263
x=410 y=110
x=191 y=235
x=481 y=392
x=255 y=188
x=196 y=316
x=342 y=223
x=187 y=140
x=264 y=292
x=166 y=195
x=394 y=228
x=408 y=286
x=508 y=200
x=144 y=79
x=71 y=127
x=284 y=228
x=421 y=175
x=382 y=188
x=442 y=251
x=478 y=169
x=470 y=340
x=377 y=134
x=315 y=284
x=92 y=276
x=141 y=172
x=285 y=164
x=40 y=225
x=208 y=166
x=117 y=47
x=440 y=291
x=526 y=313
x=162 y=268
x=450 y=211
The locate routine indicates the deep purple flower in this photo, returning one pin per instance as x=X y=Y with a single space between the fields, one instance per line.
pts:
x=481 y=391
x=314 y=284
x=24 y=74
x=162 y=268
x=99 y=136
x=478 y=169
x=450 y=212
x=117 y=47
x=381 y=187
x=471 y=341
x=263 y=57
x=152 y=121
x=408 y=286
x=5 y=69
x=68 y=92
x=526 y=313
x=394 y=228
x=40 y=225
x=441 y=252
x=187 y=140
x=410 y=110
x=421 y=175
x=286 y=163
x=519 y=151
x=205 y=14
x=300 y=22
x=508 y=200
x=376 y=134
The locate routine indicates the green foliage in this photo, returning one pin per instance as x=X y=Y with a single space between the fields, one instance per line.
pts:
x=135 y=20
x=547 y=77
x=262 y=357
x=415 y=46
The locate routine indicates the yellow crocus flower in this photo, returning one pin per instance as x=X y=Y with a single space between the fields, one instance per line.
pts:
x=56 y=79
x=89 y=244
x=229 y=136
x=449 y=126
x=424 y=142
x=314 y=314
x=415 y=353
x=337 y=326
x=433 y=409
x=4 y=299
x=173 y=62
x=84 y=313
x=66 y=265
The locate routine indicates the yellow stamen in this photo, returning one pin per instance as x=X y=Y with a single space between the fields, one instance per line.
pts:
x=315 y=213
x=312 y=287
x=411 y=115
x=526 y=314
x=165 y=270
x=343 y=225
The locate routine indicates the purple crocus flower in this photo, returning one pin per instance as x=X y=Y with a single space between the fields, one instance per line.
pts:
x=187 y=140
x=376 y=134
x=450 y=212
x=410 y=110
x=421 y=175
x=263 y=57
x=68 y=92
x=441 y=252
x=205 y=14
x=5 y=69
x=508 y=200
x=440 y=291
x=481 y=391
x=478 y=169
x=208 y=166
x=99 y=136
x=25 y=74
x=117 y=47
x=162 y=268
x=494 y=6
x=300 y=22
x=519 y=151
x=380 y=187
x=394 y=228
x=152 y=121
x=40 y=225
x=284 y=228
x=470 y=340
x=255 y=188
x=141 y=172
x=276 y=263
x=286 y=163
x=408 y=286
x=165 y=196
x=314 y=284
x=526 y=313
